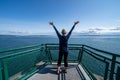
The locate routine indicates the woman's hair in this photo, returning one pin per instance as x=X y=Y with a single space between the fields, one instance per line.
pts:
x=63 y=31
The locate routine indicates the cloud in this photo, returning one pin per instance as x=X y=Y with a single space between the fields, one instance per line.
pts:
x=116 y=29
x=14 y=33
x=106 y=29
x=24 y=33
x=91 y=31
x=96 y=31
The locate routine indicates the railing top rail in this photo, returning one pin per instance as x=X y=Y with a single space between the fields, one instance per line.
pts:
x=18 y=53
x=13 y=49
x=54 y=44
x=106 y=52
x=48 y=44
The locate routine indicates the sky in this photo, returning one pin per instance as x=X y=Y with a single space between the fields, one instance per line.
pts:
x=32 y=17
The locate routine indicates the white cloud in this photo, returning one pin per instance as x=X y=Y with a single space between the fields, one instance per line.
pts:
x=108 y=30
x=94 y=31
x=14 y=33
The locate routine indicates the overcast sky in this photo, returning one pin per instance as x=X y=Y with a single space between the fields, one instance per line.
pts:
x=28 y=17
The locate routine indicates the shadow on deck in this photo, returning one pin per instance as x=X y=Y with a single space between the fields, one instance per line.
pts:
x=49 y=73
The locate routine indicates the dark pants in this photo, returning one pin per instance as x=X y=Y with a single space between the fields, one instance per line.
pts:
x=65 y=58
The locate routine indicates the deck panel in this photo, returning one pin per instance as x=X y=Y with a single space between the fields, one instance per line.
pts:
x=49 y=73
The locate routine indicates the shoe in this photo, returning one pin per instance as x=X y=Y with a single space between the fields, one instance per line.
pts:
x=65 y=71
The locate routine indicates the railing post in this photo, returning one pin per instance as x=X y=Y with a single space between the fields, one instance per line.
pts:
x=50 y=57
x=112 y=67
x=1 y=73
x=5 y=70
x=118 y=73
x=48 y=53
x=80 y=58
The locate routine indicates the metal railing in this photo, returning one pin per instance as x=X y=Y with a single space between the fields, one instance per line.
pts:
x=99 y=64
x=110 y=60
x=21 y=63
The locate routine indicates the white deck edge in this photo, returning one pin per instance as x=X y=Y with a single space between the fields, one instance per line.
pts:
x=84 y=73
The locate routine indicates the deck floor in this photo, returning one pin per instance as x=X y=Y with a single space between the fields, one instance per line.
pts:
x=49 y=73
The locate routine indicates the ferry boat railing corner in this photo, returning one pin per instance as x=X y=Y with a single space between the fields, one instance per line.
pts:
x=21 y=63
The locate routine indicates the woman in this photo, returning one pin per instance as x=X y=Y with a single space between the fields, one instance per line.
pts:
x=63 y=46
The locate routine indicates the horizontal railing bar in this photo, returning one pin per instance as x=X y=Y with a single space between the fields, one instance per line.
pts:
x=117 y=62
x=94 y=56
x=98 y=55
x=70 y=48
x=23 y=54
x=14 y=49
x=102 y=51
x=19 y=53
x=58 y=44
x=48 y=44
x=69 y=45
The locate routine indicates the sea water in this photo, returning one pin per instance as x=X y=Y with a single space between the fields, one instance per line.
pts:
x=110 y=43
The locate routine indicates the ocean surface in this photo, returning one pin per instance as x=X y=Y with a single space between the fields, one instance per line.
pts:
x=110 y=43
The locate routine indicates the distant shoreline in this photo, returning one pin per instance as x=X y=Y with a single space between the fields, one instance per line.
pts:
x=55 y=35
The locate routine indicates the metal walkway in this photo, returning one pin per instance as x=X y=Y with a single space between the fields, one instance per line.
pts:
x=49 y=73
